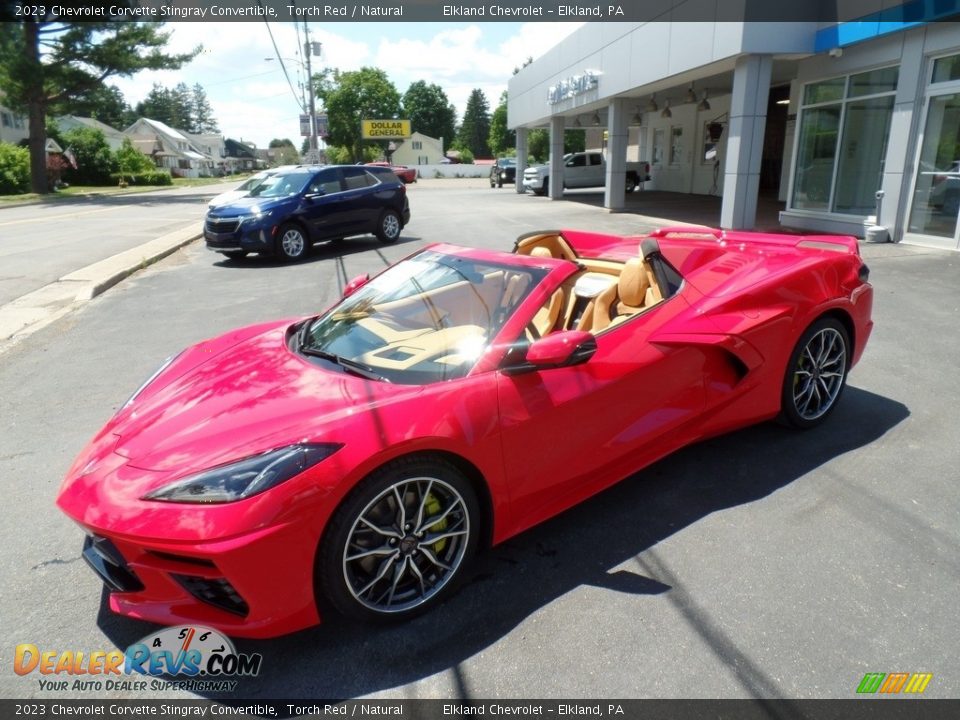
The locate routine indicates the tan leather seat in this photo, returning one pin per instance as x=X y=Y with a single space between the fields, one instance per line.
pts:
x=541 y=252
x=623 y=298
x=546 y=318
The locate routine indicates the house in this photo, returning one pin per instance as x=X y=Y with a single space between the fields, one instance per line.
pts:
x=113 y=136
x=211 y=145
x=419 y=149
x=13 y=126
x=171 y=149
x=241 y=156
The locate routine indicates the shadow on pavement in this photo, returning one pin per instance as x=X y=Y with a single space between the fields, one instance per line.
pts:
x=340 y=660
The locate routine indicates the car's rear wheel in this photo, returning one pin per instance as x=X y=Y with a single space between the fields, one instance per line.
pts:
x=235 y=254
x=389 y=227
x=292 y=242
x=816 y=373
x=631 y=183
x=401 y=541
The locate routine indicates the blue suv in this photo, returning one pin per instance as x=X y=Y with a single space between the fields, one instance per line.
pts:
x=305 y=205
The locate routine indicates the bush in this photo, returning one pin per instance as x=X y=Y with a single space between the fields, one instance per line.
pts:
x=131 y=161
x=151 y=177
x=14 y=169
x=95 y=161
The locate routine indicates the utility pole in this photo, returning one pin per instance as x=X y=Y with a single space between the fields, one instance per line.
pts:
x=308 y=48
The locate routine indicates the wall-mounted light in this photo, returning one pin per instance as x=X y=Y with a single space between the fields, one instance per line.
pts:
x=652 y=103
x=576 y=122
x=637 y=117
x=704 y=103
x=666 y=110
x=691 y=95
x=596 y=118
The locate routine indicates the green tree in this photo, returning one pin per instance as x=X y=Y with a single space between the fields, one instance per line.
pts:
x=14 y=169
x=284 y=151
x=430 y=111
x=475 y=129
x=502 y=139
x=352 y=96
x=201 y=112
x=94 y=159
x=131 y=161
x=101 y=102
x=538 y=144
x=75 y=57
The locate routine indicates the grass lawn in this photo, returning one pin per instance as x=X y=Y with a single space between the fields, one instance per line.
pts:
x=75 y=191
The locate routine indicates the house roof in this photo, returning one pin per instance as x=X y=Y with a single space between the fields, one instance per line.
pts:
x=92 y=123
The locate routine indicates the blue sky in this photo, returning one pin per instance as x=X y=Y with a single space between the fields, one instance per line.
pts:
x=251 y=98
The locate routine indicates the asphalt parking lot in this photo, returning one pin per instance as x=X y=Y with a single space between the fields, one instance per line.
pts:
x=765 y=563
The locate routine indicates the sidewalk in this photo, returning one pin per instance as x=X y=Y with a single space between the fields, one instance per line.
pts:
x=35 y=310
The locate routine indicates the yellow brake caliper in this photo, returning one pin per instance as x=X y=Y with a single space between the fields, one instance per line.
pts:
x=431 y=508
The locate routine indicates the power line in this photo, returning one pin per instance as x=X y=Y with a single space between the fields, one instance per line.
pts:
x=280 y=60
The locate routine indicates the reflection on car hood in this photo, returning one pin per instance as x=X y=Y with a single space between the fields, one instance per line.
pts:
x=245 y=205
x=253 y=397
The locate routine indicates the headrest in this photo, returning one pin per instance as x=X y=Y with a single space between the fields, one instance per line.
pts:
x=541 y=252
x=633 y=283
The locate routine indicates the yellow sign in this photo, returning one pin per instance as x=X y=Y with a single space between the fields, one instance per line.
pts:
x=386 y=129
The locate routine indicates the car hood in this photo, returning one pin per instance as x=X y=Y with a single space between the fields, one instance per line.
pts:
x=247 y=205
x=227 y=198
x=252 y=397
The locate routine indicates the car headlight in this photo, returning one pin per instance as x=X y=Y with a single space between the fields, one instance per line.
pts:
x=163 y=366
x=244 y=478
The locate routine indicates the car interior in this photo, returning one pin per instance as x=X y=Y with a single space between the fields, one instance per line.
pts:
x=602 y=293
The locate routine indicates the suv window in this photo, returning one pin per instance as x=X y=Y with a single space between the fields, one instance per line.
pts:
x=326 y=182
x=357 y=178
x=577 y=161
x=595 y=159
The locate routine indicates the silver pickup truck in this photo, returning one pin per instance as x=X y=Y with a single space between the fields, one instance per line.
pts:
x=582 y=170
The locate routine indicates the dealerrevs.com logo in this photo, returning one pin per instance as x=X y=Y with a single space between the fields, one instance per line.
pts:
x=199 y=658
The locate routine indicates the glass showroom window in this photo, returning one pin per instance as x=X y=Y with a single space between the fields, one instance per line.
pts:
x=844 y=126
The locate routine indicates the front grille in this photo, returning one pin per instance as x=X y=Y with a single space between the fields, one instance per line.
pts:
x=222 y=225
x=106 y=561
x=217 y=592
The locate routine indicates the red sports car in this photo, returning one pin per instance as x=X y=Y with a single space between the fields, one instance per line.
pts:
x=406 y=174
x=358 y=459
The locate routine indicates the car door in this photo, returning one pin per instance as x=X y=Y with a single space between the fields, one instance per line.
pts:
x=363 y=200
x=574 y=170
x=323 y=208
x=569 y=432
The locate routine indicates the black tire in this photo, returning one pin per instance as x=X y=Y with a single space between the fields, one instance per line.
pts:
x=389 y=226
x=499 y=183
x=359 y=570
x=292 y=243
x=816 y=374
x=631 y=183
x=545 y=189
x=235 y=254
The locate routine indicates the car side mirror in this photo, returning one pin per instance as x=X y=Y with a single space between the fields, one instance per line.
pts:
x=559 y=349
x=358 y=282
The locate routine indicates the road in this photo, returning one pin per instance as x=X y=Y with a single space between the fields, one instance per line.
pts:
x=767 y=563
x=41 y=243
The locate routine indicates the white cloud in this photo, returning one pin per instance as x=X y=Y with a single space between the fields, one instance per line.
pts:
x=251 y=98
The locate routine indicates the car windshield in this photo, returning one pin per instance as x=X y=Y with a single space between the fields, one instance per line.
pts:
x=425 y=319
x=253 y=182
x=283 y=185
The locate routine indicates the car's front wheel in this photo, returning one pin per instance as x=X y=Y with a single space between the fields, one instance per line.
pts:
x=400 y=542
x=292 y=243
x=816 y=373
x=389 y=227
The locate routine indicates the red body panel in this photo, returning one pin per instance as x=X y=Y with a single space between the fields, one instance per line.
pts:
x=709 y=359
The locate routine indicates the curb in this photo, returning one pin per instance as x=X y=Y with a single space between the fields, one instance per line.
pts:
x=29 y=313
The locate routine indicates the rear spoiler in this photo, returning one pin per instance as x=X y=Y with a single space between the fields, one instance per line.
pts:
x=833 y=243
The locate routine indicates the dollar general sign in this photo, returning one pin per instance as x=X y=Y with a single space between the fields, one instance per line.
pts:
x=386 y=129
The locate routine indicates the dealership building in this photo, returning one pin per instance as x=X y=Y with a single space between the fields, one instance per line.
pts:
x=831 y=119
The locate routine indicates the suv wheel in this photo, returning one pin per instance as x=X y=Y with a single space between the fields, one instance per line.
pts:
x=292 y=243
x=389 y=227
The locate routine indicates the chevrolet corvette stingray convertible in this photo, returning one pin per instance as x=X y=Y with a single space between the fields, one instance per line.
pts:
x=356 y=461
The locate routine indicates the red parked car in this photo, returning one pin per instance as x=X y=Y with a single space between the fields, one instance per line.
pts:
x=363 y=456
x=407 y=174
